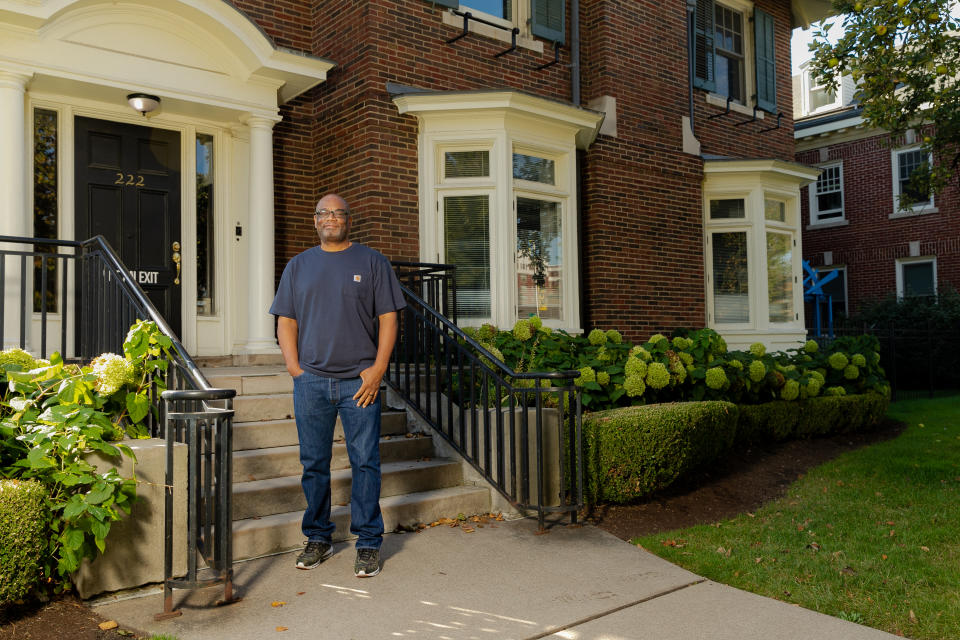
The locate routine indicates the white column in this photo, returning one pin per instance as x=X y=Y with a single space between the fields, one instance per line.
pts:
x=14 y=215
x=260 y=260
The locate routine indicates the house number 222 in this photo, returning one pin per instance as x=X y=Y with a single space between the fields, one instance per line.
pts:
x=128 y=180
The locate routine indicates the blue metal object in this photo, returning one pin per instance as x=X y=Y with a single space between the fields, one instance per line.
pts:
x=813 y=292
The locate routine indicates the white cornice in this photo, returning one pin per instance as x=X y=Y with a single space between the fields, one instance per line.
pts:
x=584 y=122
x=789 y=170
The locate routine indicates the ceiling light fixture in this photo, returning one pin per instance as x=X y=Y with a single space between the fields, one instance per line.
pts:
x=143 y=102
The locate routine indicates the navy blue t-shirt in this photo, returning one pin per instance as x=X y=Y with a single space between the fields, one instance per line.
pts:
x=336 y=298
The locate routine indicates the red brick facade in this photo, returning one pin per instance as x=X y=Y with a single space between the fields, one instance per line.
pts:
x=641 y=196
x=871 y=243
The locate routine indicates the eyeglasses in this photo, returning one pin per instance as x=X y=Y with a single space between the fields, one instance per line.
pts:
x=338 y=214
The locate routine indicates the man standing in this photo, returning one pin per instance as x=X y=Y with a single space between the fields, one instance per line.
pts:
x=336 y=311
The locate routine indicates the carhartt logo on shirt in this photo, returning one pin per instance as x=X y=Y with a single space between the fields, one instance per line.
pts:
x=356 y=278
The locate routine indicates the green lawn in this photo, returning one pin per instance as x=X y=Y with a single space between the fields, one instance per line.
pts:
x=872 y=536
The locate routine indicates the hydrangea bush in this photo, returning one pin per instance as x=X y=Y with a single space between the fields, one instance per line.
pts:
x=688 y=365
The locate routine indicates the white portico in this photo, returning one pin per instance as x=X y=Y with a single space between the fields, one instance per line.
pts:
x=220 y=80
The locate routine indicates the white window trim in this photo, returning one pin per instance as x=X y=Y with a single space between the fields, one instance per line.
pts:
x=521 y=18
x=914 y=210
x=815 y=212
x=846 y=282
x=745 y=8
x=809 y=86
x=920 y=260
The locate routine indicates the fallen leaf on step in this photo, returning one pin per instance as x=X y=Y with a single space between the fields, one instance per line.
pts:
x=109 y=624
x=468 y=529
x=277 y=603
x=281 y=628
x=409 y=435
x=300 y=593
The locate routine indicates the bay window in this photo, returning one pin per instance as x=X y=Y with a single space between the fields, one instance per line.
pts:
x=752 y=237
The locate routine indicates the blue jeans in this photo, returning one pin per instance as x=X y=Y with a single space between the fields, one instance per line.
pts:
x=316 y=402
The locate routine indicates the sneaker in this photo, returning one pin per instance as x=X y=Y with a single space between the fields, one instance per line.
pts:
x=315 y=553
x=367 y=564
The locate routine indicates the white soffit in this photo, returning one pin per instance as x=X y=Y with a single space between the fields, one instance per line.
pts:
x=790 y=171
x=194 y=50
x=584 y=124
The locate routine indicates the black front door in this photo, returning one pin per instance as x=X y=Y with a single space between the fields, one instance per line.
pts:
x=128 y=191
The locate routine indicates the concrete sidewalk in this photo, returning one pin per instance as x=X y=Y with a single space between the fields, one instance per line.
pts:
x=503 y=581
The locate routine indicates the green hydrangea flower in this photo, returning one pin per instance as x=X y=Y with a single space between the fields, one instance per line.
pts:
x=522 y=330
x=680 y=373
x=113 y=372
x=807 y=358
x=603 y=378
x=587 y=374
x=716 y=377
x=720 y=346
x=641 y=353
x=634 y=366
x=757 y=370
x=838 y=361
x=657 y=375
x=757 y=349
x=18 y=357
x=535 y=322
x=736 y=364
x=471 y=332
x=657 y=338
x=634 y=386
x=487 y=331
x=496 y=353
x=791 y=390
x=835 y=391
x=851 y=372
x=685 y=358
x=813 y=387
x=603 y=355
x=614 y=336
x=819 y=377
x=682 y=343
x=811 y=346
x=597 y=337
x=858 y=360
x=876 y=358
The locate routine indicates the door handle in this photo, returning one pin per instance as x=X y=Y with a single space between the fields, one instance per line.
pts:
x=176 y=261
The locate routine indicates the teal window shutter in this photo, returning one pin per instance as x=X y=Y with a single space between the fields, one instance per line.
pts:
x=766 y=62
x=703 y=54
x=453 y=4
x=549 y=18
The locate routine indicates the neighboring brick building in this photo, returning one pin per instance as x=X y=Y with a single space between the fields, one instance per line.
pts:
x=580 y=185
x=852 y=219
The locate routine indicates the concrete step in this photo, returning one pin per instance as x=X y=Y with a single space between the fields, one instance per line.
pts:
x=281 y=433
x=281 y=532
x=260 y=464
x=278 y=495
x=251 y=380
x=272 y=406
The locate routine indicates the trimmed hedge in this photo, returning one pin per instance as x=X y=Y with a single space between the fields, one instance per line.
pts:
x=23 y=531
x=632 y=452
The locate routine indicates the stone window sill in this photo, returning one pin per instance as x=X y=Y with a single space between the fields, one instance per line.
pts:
x=718 y=100
x=896 y=215
x=826 y=225
x=492 y=32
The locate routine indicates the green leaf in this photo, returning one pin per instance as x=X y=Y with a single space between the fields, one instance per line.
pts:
x=37 y=459
x=100 y=492
x=75 y=390
x=72 y=539
x=138 y=406
x=75 y=507
x=21 y=403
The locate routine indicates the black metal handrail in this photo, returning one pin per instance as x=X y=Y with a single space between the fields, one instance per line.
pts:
x=93 y=291
x=520 y=430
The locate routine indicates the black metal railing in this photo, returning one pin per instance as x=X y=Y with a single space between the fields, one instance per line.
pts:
x=435 y=283
x=521 y=431
x=919 y=360
x=76 y=297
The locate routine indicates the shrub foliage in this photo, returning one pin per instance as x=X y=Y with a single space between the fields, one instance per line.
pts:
x=23 y=529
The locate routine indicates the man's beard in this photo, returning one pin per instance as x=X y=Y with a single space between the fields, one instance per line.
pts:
x=329 y=235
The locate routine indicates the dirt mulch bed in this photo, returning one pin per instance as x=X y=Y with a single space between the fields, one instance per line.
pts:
x=63 y=617
x=742 y=482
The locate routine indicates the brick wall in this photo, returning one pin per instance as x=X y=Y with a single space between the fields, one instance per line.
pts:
x=871 y=243
x=642 y=239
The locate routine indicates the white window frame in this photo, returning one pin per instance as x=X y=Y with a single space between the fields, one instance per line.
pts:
x=745 y=9
x=901 y=294
x=516 y=7
x=809 y=86
x=846 y=283
x=521 y=17
x=815 y=213
x=918 y=208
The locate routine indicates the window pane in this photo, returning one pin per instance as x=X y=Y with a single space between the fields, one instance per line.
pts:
x=205 y=235
x=533 y=168
x=725 y=209
x=731 y=301
x=821 y=97
x=498 y=8
x=539 y=259
x=466 y=242
x=466 y=164
x=45 y=211
x=918 y=279
x=729 y=45
x=780 y=277
x=909 y=162
x=775 y=210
